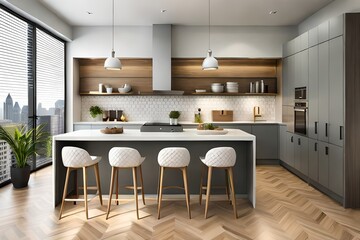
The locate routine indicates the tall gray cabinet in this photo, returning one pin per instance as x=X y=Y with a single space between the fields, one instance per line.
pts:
x=331 y=159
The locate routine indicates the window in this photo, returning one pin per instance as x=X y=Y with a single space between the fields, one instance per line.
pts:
x=32 y=82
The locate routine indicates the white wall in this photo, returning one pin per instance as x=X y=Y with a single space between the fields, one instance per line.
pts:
x=230 y=41
x=36 y=12
x=333 y=9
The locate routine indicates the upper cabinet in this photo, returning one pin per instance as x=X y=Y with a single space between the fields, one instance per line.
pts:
x=336 y=26
x=323 y=31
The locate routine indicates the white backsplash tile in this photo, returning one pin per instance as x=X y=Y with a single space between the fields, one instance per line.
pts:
x=157 y=108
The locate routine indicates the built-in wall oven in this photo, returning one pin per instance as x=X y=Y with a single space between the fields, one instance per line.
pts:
x=300 y=111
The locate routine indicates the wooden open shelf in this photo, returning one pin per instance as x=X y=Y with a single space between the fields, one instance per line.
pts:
x=188 y=75
x=136 y=72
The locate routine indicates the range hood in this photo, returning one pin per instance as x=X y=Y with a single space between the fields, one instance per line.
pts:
x=161 y=78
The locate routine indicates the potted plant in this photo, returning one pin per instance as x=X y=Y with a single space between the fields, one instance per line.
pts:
x=23 y=145
x=174 y=115
x=96 y=112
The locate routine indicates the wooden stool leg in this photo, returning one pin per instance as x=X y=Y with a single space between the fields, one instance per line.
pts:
x=227 y=185
x=208 y=189
x=201 y=183
x=158 y=187
x=65 y=191
x=76 y=186
x=98 y=184
x=85 y=192
x=187 y=196
x=117 y=186
x=160 y=190
x=233 y=191
x=111 y=190
x=142 y=185
x=136 y=191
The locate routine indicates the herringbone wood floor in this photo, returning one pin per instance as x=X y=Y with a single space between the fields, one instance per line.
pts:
x=287 y=208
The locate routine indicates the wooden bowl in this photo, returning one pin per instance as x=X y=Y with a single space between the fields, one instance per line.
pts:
x=114 y=130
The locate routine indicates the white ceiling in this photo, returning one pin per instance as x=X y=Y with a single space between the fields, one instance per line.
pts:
x=184 y=12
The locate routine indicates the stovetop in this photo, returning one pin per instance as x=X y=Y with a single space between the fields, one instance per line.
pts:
x=160 y=127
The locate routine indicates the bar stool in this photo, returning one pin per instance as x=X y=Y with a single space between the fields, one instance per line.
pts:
x=75 y=158
x=122 y=158
x=220 y=157
x=174 y=157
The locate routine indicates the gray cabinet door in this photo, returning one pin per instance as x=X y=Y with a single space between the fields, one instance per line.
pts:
x=313 y=37
x=297 y=152
x=323 y=31
x=336 y=169
x=324 y=164
x=323 y=96
x=313 y=160
x=266 y=141
x=291 y=80
x=289 y=159
x=304 y=155
x=336 y=26
x=301 y=152
x=286 y=81
x=301 y=69
x=313 y=92
x=282 y=147
x=336 y=91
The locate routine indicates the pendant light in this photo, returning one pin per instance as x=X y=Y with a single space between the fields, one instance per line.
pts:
x=113 y=63
x=210 y=63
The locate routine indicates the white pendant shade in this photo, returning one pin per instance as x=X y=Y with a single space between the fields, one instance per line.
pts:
x=210 y=63
x=112 y=63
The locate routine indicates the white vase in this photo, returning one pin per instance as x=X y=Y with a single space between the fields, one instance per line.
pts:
x=173 y=121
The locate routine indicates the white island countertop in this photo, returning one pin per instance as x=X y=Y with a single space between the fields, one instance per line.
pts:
x=136 y=135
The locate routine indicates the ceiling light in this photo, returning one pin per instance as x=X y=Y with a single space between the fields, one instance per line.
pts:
x=113 y=63
x=210 y=63
x=273 y=12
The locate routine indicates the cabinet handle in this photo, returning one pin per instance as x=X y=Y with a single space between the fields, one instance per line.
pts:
x=327 y=150
x=315 y=147
x=316 y=125
x=326 y=129
x=299 y=141
x=341 y=132
x=292 y=139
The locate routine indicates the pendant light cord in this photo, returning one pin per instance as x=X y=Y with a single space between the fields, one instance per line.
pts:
x=209 y=24
x=113 y=24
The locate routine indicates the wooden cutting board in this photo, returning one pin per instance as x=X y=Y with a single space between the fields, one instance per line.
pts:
x=222 y=115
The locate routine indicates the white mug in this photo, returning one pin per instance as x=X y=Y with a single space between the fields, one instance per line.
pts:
x=109 y=90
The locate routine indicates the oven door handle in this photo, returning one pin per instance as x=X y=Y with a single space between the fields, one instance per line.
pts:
x=300 y=109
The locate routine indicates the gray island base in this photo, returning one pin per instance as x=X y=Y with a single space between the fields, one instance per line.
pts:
x=149 y=145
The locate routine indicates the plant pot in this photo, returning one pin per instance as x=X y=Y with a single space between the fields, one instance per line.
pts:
x=98 y=118
x=20 y=176
x=173 y=121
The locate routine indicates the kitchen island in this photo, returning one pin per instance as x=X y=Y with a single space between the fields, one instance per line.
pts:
x=149 y=144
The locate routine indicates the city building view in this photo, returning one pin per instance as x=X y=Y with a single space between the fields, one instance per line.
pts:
x=16 y=115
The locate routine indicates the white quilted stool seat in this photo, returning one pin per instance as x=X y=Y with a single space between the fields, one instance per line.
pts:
x=76 y=158
x=173 y=157
x=219 y=157
x=123 y=158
